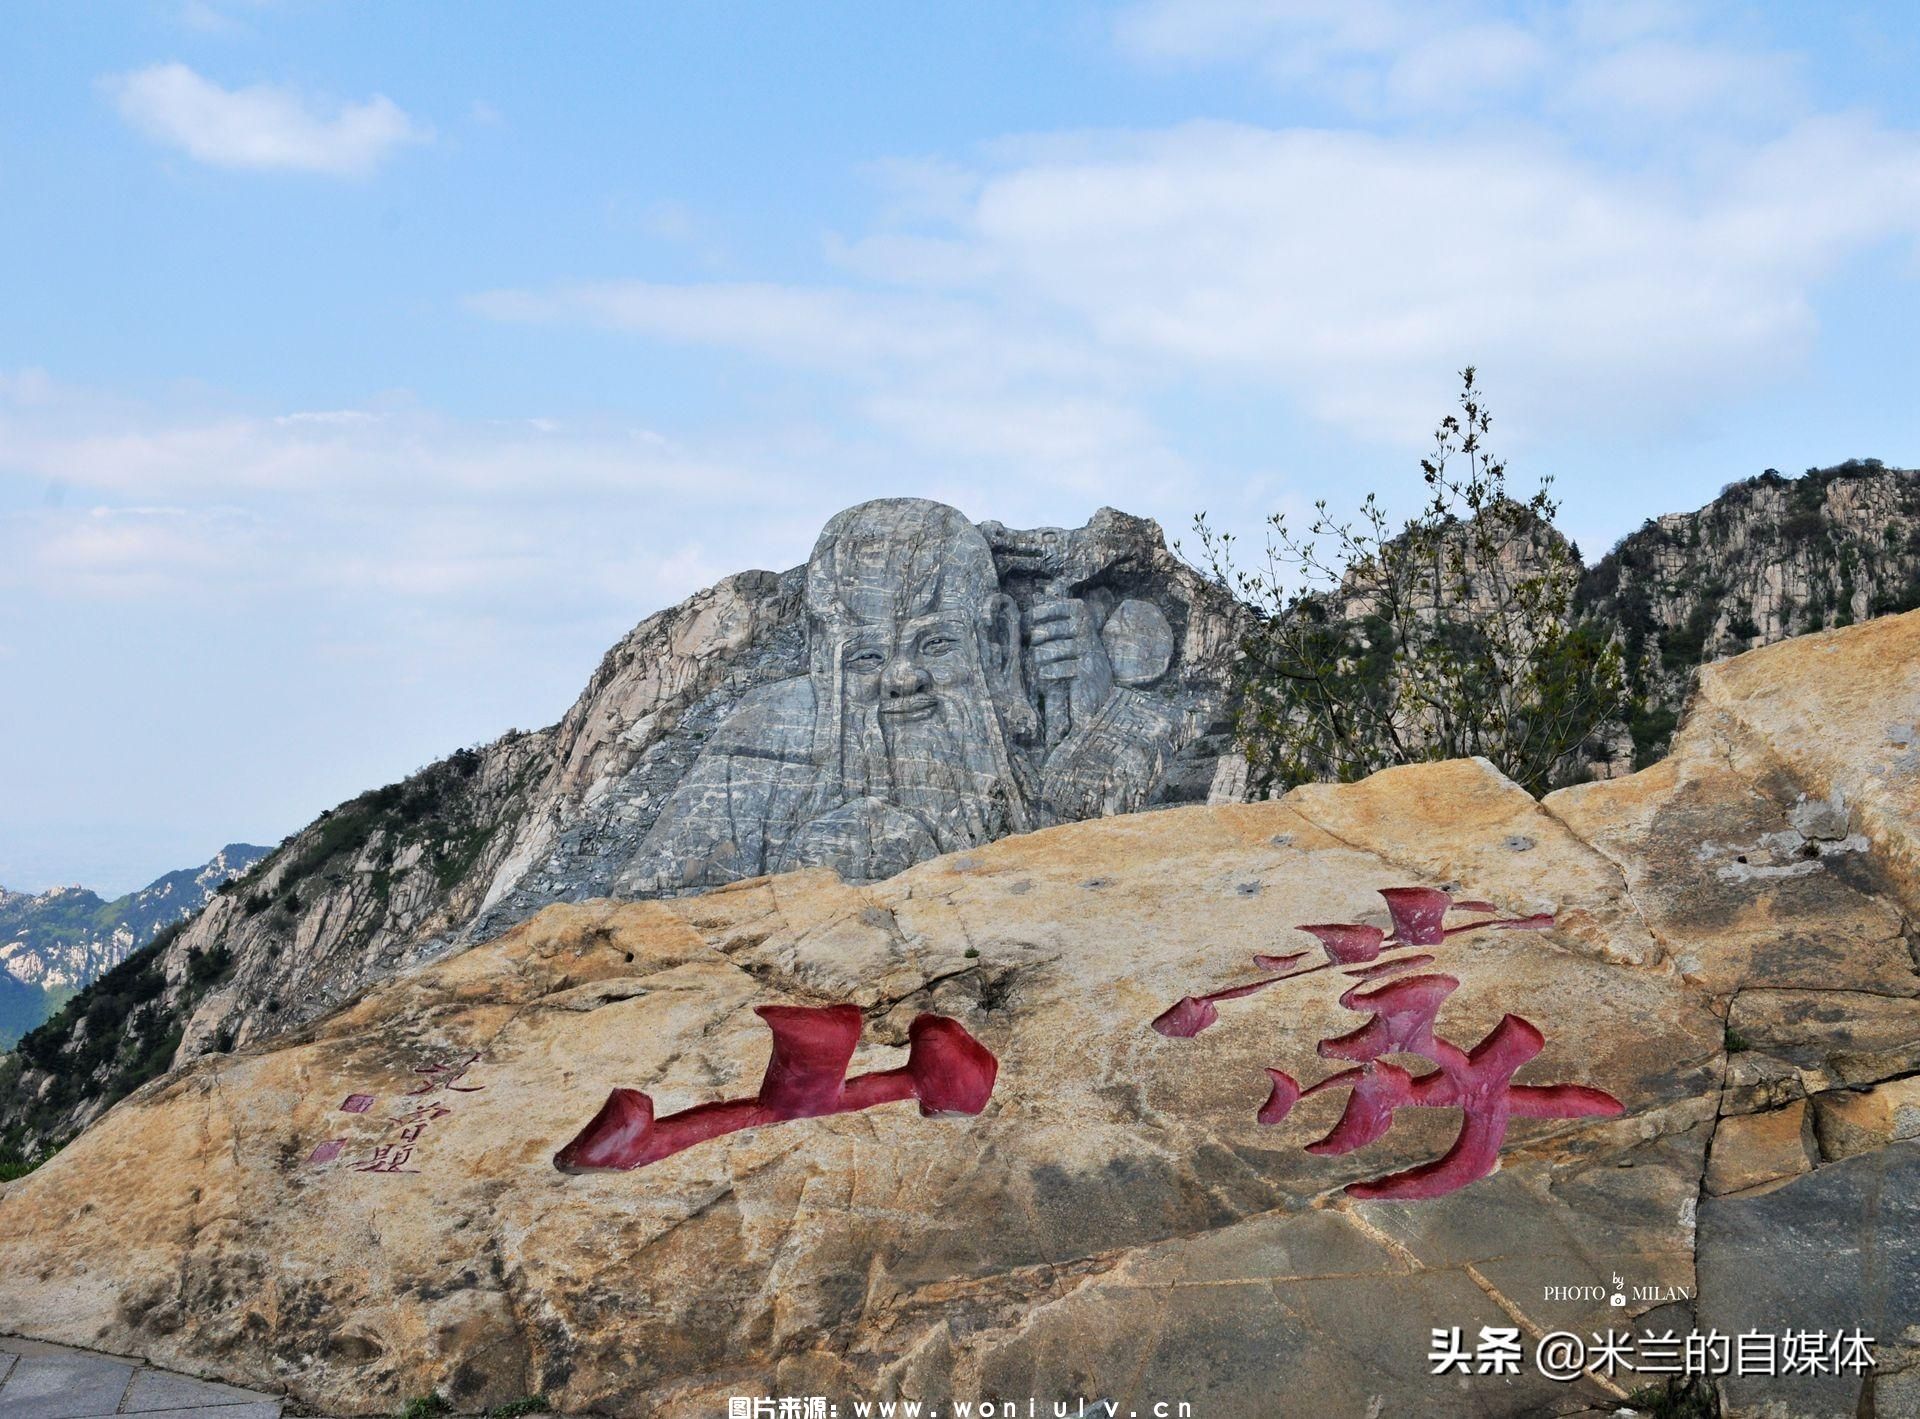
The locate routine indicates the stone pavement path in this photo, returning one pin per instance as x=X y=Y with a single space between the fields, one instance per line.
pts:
x=40 y=1381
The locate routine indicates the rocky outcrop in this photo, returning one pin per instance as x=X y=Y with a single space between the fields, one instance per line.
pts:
x=1769 y=558
x=764 y=675
x=367 y=1209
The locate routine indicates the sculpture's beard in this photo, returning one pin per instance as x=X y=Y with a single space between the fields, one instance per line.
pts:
x=937 y=760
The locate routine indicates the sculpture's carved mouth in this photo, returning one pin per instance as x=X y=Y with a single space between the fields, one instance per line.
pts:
x=909 y=707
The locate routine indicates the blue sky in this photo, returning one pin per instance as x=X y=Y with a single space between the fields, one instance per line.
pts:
x=367 y=370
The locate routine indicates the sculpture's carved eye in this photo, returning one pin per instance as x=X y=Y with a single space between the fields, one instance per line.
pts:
x=867 y=662
x=937 y=645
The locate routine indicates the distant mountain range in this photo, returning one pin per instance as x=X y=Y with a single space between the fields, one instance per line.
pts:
x=56 y=942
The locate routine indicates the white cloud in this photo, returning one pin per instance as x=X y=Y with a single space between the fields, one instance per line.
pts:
x=1663 y=81
x=400 y=503
x=1365 y=54
x=818 y=327
x=1598 y=23
x=1101 y=449
x=394 y=515
x=952 y=380
x=201 y=16
x=214 y=17
x=1465 y=67
x=1356 y=270
x=261 y=127
x=1351 y=271
x=1213 y=30
x=128 y=551
x=921 y=189
x=1625 y=63
x=69 y=436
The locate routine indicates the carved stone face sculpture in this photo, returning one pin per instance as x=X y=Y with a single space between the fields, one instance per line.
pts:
x=916 y=671
x=912 y=733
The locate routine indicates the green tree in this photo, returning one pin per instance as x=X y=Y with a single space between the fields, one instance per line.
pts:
x=1453 y=636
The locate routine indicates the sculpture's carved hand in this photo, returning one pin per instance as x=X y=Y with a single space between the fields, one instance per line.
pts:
x=1067 y=647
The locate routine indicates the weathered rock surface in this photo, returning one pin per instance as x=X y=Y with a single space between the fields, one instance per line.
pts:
x=1752 y=1150
x=1115 y=1224
x=1834 y=1249
x=1849 y=1122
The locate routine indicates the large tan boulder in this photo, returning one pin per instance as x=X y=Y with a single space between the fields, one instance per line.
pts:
x=1841 y=713
x=1117 y=1223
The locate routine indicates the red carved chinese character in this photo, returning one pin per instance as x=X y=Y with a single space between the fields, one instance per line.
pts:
x=387 y=1159
x=425 y=1113
x=1402 y=1014
x=1478 y=1082
x=1191 y=1014
x=1346 y=943
x=445 y=1076
x=1418 y=914
x=947 y=1070
x=1418 y=920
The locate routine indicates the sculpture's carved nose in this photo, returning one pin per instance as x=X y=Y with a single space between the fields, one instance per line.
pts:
x=902 y=678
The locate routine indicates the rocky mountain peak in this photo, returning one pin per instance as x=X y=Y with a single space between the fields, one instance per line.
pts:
x=1771 y=557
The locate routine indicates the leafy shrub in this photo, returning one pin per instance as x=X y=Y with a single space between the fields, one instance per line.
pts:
x=532 y=1404
x=206 y=967
x=1453 y=636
